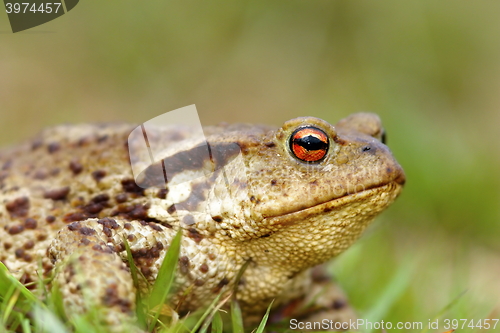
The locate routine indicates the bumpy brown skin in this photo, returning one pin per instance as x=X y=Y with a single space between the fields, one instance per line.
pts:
x=68 y=198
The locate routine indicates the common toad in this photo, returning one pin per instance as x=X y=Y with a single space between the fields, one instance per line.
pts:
x=305 y=193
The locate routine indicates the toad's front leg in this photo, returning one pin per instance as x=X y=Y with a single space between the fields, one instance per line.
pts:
x=322 y=306
x=91 y=269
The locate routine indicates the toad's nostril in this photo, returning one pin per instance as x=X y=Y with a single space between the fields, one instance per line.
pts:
x=366 y=148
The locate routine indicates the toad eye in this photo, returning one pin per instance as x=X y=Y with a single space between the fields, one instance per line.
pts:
x=309 y=144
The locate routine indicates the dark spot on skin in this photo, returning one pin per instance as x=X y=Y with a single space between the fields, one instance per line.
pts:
x=19 y=253
x=339 y=304
x=199 y=282
x=184 y=265
x=100 y=198
x=109 y=223
x=27 y=257
x=155 y=226
x=102 y=248
x=16 y=229
x=127 y=226
x=120 y=247
x=36 y=144
x=85 y=241
x=388 y=170
x=220 y=285
x=40 y=175
x=242 y=282
x=29 y=245
x=19 y=207
x=53 y=147
x=146 y=256
x=83 y=141
x=98 y=175
x=111 y=299
x=7 y=165
x=130 y=186
x=171 y=210
x=146 y=271
x=57 y=194
x=102 y=138
x=74 y=226
x=254 y=200
x=273 y=182
x=130 y=237
x=264 y=236
x=134 y=212
x=75 y=166
x=93 y=209
x=7 y=246
x=30 y=223
x=107 y=231
x=54 y=172
x=212 y=256
x=188 y=220
x=41 y=237
x=217 y=218
x=120 y=198
x=195 y=235
x=270 y=144
x=203 y=268
x=73 y=217
x=86 y=231
x=165 y=224
x=162 y=193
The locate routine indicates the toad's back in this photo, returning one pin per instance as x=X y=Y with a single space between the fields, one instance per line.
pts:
x=66 y=174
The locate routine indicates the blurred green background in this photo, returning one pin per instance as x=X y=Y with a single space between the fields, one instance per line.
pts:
x=430 y=69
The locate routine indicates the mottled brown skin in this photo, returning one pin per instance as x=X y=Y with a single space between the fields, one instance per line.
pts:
x=68 y=199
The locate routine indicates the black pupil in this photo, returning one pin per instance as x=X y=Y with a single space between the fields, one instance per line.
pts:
x=311 y=142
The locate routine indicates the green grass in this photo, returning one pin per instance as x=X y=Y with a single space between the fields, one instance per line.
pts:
x=24 y=311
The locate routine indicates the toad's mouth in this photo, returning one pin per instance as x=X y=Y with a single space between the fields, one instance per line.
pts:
x=387 y=193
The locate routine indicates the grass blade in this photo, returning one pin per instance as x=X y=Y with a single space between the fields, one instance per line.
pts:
x=165 y=276
x=263 y=322
x=236 y=317
x=140 y=311
x=217 y=324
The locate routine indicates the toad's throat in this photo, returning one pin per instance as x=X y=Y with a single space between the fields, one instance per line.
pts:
x=391 y=191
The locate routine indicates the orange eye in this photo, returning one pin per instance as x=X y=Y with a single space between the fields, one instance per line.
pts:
x=309 y=144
